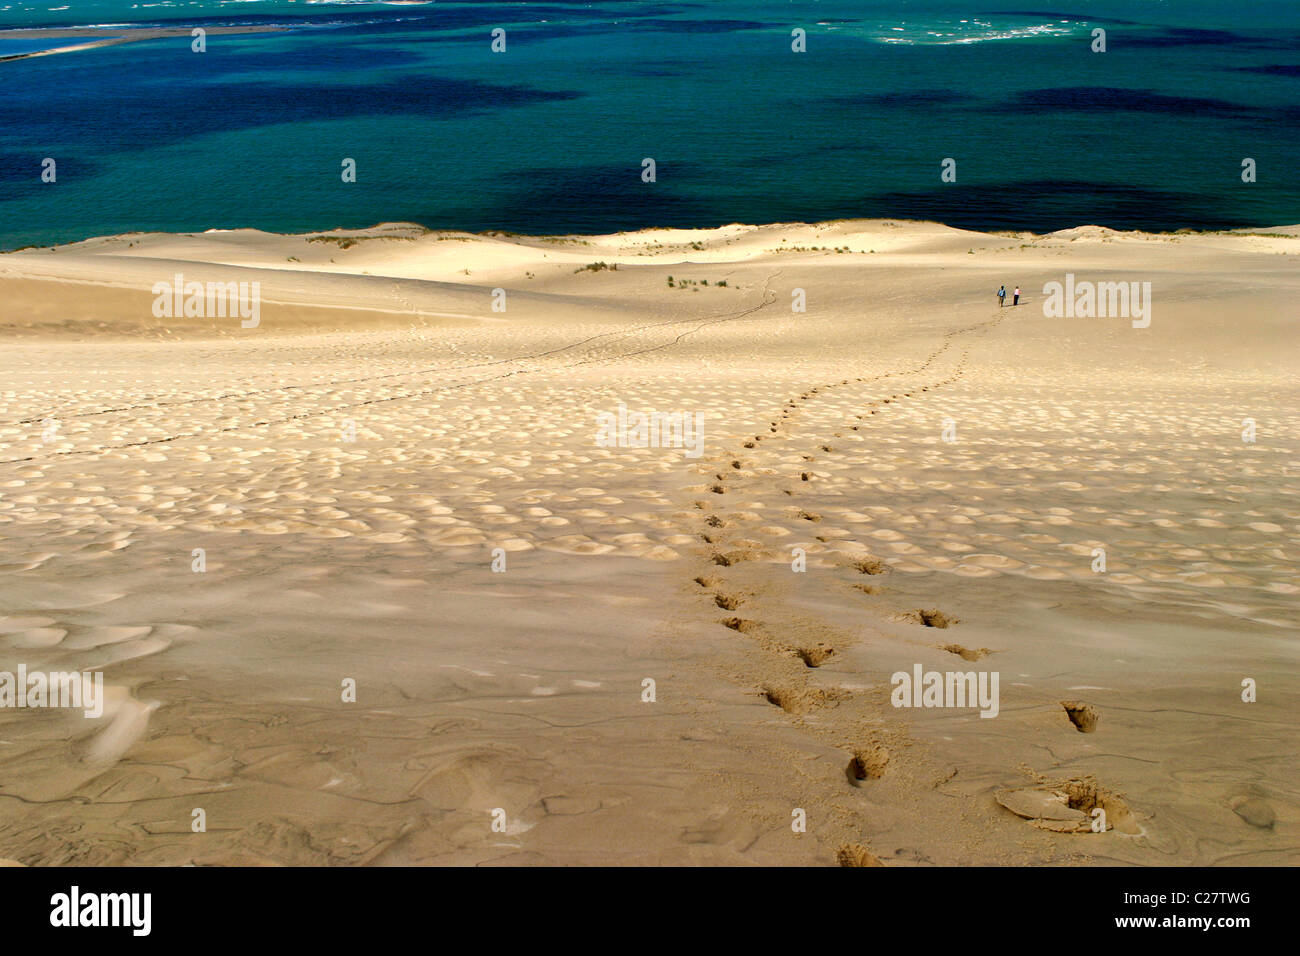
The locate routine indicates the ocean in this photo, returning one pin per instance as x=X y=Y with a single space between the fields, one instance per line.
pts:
x=550 y=135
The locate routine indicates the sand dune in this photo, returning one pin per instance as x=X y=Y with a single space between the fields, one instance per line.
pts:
x=350 y=469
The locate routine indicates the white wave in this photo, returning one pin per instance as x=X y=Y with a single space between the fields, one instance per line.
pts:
x=970 y=31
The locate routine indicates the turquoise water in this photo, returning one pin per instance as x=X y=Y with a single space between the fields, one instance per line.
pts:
x=550 y=135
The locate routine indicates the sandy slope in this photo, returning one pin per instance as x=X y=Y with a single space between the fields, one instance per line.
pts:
x=329 y=559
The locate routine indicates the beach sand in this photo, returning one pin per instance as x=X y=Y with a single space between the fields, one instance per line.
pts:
x=948 y=470
x=90 y=38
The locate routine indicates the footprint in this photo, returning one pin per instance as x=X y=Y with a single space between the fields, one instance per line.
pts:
x=1066 y=807
x=726 y=601
x=788 y=700
x=867 y=764
x=1083 y=716
x=732 y=557
x=816 y=655
x=966 y=653
x=794 y=701
x=871 y=566
x=741 y=625
x=932 y=618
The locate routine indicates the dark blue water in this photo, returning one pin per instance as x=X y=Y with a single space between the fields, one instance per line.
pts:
x=550 y=135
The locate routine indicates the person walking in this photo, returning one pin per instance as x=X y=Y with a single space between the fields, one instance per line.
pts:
x=1016 y=296
x=1002 y=296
